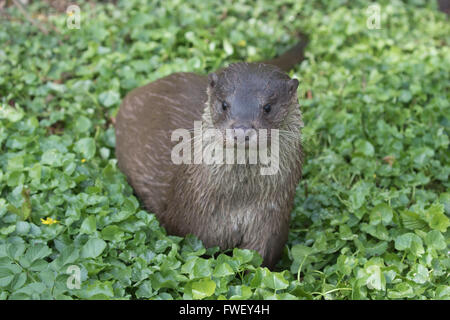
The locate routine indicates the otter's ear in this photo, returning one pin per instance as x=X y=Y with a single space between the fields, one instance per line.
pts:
x=292 y=86
x=212 y=80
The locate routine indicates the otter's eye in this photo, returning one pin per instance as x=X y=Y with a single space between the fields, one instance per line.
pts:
x=224 y=105
x=267 y=108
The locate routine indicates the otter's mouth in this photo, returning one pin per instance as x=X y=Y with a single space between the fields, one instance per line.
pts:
x=245 y=139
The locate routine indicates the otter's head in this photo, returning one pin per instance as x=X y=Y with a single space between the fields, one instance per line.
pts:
x=247 y=97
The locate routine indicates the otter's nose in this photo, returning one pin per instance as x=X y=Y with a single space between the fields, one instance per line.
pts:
x=241 y=130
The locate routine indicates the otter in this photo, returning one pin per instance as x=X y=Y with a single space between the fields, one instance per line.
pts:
x=225 y=205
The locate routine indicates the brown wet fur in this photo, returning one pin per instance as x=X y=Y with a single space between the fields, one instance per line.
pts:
x=224 y=205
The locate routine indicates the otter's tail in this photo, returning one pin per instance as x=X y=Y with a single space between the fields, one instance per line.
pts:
x=292 y=57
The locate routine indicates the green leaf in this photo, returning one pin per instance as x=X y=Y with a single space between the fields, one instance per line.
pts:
x=411 y=242
x=93 y=248
x=379 y=231
x=109 y=98
x=375 y=279
x=239 y=292
x=299 y=252
x=37 y=251
x=34 y=289
x=258 y=277
x=421 y=156
x=444 y=198
x=140 y=19
x=164 y=279
x=11 y=114
x=96 y=290
x=82 y=124
x=436 y=218
x=52 y=158
x=400 y=291
x=203 y=288
x=7 y=230
x=275 y=281
x=68 y=255
x=358 y=195
x=18 y=281
x=382 y=213
x=86 y=147
x=246 y=256
x=223 y=270
x=228 y=47
x=22 y=227
x=89 y=225
x=412 y=220
x=405 y=96
x=202 y=268
x=365 y=148
x=15 y=250
x=377 y=249
x=419 y=274
x=35 y=172
x=435 y=240
x=144 y=290
x=443 y=292
x=6 y=276
x=112 y=232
